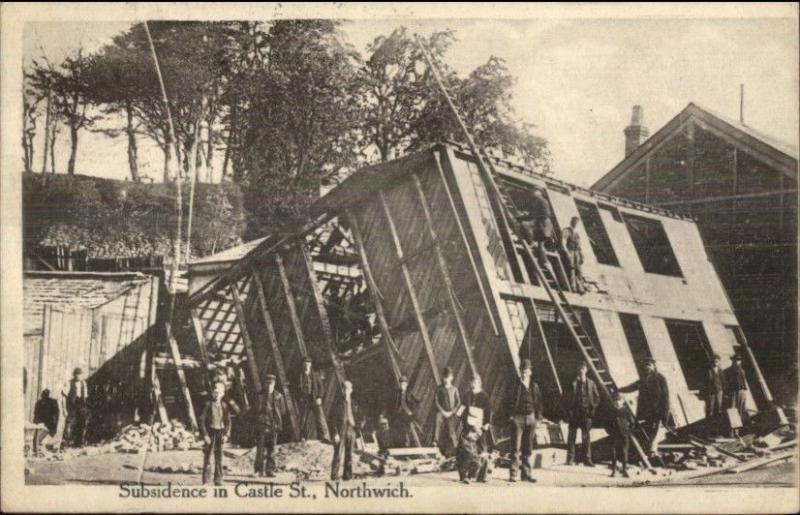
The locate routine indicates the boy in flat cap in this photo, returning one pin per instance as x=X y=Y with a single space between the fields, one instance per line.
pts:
x=402 y=416
x=448 y=401
x=271 y=414
x=736 y=385
x=215 y=429
x=714 y=389
x=309 y=397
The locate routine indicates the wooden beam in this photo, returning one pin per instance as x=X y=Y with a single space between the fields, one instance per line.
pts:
x=159 y=400
x=445 y=272
x=245 y=334
x=374 y=294
x=176 y=358
x=423 y=328
x=200 y=334
x=276 y=355
x=540 y=331
x=327 y=334
x=290 y=306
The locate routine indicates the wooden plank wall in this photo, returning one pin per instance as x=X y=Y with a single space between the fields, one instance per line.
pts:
x=405 y=209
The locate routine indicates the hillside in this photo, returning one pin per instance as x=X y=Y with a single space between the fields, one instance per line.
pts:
x=125 y=219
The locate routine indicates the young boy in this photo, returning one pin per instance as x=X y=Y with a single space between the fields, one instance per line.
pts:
x=215 y=428
x=470 y=461
x=622 y=424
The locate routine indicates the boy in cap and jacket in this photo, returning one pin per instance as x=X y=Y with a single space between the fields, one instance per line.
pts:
x=525 y=407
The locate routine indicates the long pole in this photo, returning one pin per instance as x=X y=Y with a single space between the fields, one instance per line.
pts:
x=178 y=195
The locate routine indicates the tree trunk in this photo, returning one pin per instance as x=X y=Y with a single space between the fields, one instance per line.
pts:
x=192 y=162
x=26 y=154
x=53 y=137
x=167 y=159
x=73 y=149
x=46 y=132
x=133 y=152
x=210 y=150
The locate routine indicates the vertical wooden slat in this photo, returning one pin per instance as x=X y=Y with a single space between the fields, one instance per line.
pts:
x=445 y=272
x=412 y=294
x=176 y=359
x=245 y=333
x=327 y=336
x=467 y=247
x=200 y=334
x=290 y=306
x=276 y=356
x=372 y=288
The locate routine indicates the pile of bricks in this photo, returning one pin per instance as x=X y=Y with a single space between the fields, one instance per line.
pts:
x=160 y=437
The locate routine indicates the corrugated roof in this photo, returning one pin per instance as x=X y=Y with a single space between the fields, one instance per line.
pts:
x=70 y=290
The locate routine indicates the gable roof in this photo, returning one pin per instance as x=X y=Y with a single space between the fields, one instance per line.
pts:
x=228 y=255
x=772 y=151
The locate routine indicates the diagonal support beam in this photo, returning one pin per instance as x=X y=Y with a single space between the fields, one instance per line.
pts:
x=291 y=307
x=248 y=342
x=412 y=293
x=276 y=355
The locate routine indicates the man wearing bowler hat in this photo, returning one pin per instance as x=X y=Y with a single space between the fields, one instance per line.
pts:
x=271 y=414
x=75 y=399
x=736 y=385
x=525 y=407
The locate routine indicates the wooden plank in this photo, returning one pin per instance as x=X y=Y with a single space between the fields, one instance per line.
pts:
x=445 y=272
x=423 y=328
x=276 y=355
x=467 y=246
x=323 y=315
x=543 y=338
x=290 y=306
x=159 y=400
x=201 y=344
x=389 y=344
x=176 y=358
x=245 y=334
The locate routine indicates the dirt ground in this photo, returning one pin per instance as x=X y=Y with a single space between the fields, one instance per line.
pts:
x=116 y=468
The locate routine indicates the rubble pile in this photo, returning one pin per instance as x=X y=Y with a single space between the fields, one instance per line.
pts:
x=309 y=459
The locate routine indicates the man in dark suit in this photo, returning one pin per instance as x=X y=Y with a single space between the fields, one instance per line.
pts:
x=714 y=389
x=736 y=385
x=582 y=401
x=448 y=401
x=536 y=224
x=271 y=414
x=347 y=422
x=652 y=406
x=309 y=397
x=402 y=413
x=525 y=407
x=45 y=412
x=215 y=428
x=75 y=397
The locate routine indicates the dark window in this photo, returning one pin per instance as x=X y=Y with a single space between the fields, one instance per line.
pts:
x=693 y=351
x=596 y=232
x=637 y=341
x=652 y=245
x=611 y=209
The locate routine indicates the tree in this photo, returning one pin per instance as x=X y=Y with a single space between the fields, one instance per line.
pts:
x=394 y=89
x=30 y=115
x=71 y=99
x=299 y=116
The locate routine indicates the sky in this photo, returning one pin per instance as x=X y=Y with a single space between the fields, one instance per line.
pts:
x=577 y=79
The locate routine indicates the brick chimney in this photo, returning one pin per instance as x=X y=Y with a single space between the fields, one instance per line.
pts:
x=635 y=133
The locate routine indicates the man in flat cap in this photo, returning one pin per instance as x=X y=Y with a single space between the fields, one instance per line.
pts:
x=736 y=386
x=525 y=408
x=348 y=421
x=582 y=401
x=75 y=405
x=402 y=416
x=448 y=401
x=271 y=414
x=309 y=400
x=713 y=392
x=652 y=406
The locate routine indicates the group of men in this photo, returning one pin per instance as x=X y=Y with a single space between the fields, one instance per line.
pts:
x=536 y=226
x=726 y=389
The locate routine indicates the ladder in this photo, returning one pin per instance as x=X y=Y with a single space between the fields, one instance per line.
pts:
x=503 y=208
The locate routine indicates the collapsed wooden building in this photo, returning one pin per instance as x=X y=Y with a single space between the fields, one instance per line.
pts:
x=413 y=265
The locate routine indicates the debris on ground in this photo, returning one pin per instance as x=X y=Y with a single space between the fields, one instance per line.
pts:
x=134 y=438
x=308 y=459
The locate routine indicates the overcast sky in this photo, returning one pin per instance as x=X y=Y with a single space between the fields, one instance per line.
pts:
x=576 y=79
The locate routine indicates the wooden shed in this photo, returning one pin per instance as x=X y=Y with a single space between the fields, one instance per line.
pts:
x=409 y=266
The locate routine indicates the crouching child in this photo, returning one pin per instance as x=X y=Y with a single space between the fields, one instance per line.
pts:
x=471 y=462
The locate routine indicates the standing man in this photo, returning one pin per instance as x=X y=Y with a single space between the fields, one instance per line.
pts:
x=215 y=428
x=348 y=421
x=537 y=227
x=571 y=241
x=309 y=397
x=736 y=384
x=525 y=406
x=652 y=406
x=402 y=416
x=619 y=430
x=75 y=404
x=582 y=400
x=475 y=433
x=714 y=389
x=45 y=412
x=448 y=401
x=271 y=414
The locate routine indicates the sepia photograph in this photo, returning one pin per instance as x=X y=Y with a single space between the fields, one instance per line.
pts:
x=418 y=257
